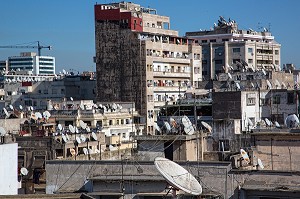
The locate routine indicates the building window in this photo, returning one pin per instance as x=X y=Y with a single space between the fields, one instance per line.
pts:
x=236 y=50
x=212 y=40
x=250 y=101
x=62 y=91
x=290 y=98
x=276 y=62
x=250 y=61
x=250 y=50
x=225 y=39
x=204 y=61
x=276 y=52
x=224 y=145
x=276 y=99
x=204 y=41
x=110 y=122
x=219 y=61
x=46 y=91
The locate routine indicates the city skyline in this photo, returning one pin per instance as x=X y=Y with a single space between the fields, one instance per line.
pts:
x=68 y=26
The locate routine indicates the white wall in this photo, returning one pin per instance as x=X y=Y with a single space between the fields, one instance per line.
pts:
x=9 y=169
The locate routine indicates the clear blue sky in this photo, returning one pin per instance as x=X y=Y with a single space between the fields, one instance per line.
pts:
x=68 y=26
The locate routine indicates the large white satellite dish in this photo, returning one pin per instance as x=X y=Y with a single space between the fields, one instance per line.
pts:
x=157 y=127
x=38 y=115
x=189 y=130
x=277 y=124
x=71 y=98
x=268 y=122
x=207 y=126
x=46 y=114
x=11 y=107
x=21 y=107
x=177 y=176
x=24 y=171
x=167 y=125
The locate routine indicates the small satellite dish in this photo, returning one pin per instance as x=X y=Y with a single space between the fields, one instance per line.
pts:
x=64 y=138
x=31 y=108
x=111 y=147
x=260 y=164
x=5 y=111
x=73 y=152
x=81 y=106
x=71 y=128
x=229 y=76
x=94 y=136
x=11 y=107
x=82 y=124
x=38 y=115
x=238 y=85
x=269 y=84
x=71 y=98
x=76 y=129
x=21 y=107
x=292 y=121
x=59 y=127
x=277 y=124
x=157 y=127
x=207 y=126
x=264 y=72
x=83 y=138
x=68 y=138
x=85 y=151
x=177 y=176
x=268 y=122
x=189 y=130
x=245 y=155
x=88 y=129
x=24 y=171
x=46 y=114
x=250 y=123
x=283 y=85
x=185 y=121
x=78 y=140
x=2 y=131
x=167 y=125
x=64 y=71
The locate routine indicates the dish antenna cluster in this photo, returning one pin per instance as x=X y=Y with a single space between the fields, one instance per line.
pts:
x=177 y=177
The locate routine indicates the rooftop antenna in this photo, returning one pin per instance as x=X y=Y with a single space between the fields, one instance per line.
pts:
x=177 y=176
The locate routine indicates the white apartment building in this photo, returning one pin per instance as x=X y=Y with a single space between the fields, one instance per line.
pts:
x=32 y=64
x=226 y=45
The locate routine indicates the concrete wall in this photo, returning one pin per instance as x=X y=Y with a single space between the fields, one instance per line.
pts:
x=70 y=176
x=9 y=169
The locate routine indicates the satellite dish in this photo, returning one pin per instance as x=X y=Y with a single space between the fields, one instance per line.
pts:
x=277 y=124
x=64 y=138
x=157 y=127
x=76 y=129
x=238 y=85
x=81 y=106
x=71 y=98
x=185 y=121
x=71 y=128
x=88 y=129
x=250 y=123
x=38 y=115
x=11 y=107
x=68 y=138
x=260 y=164
x=5 y=111
x=31 y=108
x=21 y=107
x=46 y=114
x=167 y=125
x=111 y=147
x=177 y=176
x=189 y=130
x=245 y=155
x=73 y=152
x=264 y=72
x=24 y=171
x=229 y=76
x=85 y=151
x=269 y=84
x=82 y=124
x=207 y=126
x=292 y=121
x=283 y=85
x=64 y=71
x=83 y=138
x=268 y=122
x=59 y=127
x=94 y=136
x=78 y=140
x=2 y=131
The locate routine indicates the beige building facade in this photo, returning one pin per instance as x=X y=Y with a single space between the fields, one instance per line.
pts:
x=140 y=59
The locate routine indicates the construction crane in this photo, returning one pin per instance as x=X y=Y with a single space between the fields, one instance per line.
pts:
x=39 y=47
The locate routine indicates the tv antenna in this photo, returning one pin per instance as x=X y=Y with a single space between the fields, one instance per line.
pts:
x=177 y=176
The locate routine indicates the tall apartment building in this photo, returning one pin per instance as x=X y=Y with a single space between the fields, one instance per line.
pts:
x=140 y=59
x=226 y=45
x=30 y=63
